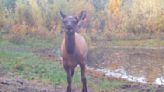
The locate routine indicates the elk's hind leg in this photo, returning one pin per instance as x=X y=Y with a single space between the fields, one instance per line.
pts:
x=72 y=72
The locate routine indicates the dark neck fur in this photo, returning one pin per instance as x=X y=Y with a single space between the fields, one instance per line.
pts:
x=70 y=43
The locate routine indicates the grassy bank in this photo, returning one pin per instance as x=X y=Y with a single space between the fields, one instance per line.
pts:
x=25 y=64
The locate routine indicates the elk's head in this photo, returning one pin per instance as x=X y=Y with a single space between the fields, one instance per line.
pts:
x=70 y=23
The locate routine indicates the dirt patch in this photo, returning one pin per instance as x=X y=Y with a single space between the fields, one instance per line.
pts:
x=20 y=85
x=142 y=88
x=8 y=84
x=45 y=53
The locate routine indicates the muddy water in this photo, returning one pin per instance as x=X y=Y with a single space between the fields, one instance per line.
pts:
x=145 y=63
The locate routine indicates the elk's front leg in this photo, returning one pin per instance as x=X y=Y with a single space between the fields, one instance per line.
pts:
x=83 y=78
x=69 y=77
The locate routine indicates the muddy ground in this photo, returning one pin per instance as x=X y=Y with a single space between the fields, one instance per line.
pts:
x=11 y=84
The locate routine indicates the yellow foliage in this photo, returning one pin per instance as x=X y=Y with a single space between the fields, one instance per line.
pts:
x=20 y=29
x=114 y=7
x=36 y=12
x=149 y=7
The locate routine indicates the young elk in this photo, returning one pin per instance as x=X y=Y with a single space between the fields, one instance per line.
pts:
x=73 y=48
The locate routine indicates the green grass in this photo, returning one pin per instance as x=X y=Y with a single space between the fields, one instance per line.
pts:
x=104 y=85
x=130 y=43
x=139 y=43
x=31 y=67
x=28 y=66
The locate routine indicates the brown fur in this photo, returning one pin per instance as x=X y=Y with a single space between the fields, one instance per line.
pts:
x=78 y=57
x=73 y=48
x=79 y=54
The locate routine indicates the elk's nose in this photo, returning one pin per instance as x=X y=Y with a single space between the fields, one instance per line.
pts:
x=69 y=26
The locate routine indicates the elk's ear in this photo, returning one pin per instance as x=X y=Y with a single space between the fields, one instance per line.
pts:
x=62 y=15
x=82 y=15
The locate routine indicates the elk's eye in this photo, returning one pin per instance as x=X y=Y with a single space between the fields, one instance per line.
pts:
x=75 y=22
x=64 y=21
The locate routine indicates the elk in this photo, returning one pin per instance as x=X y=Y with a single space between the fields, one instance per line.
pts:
x=73 y=48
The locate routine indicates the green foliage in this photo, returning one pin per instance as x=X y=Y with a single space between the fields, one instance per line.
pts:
x=8 y=4
x=24 y=13
x=40 y=19
x=43 y=15
x=99 y=4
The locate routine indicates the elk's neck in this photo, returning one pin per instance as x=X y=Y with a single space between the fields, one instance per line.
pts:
x=70 y=43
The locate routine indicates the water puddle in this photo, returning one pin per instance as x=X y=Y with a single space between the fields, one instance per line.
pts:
x=122 y=74
x=143 y=65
